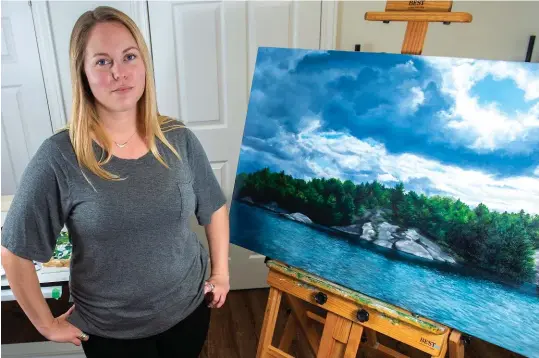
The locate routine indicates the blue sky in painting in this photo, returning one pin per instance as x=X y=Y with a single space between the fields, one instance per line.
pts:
x=451 y=126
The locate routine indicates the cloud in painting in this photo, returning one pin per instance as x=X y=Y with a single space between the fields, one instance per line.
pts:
x=509 y=121
x=340 y=155
x=443 y=126
x=401 y=101
x=417 y=98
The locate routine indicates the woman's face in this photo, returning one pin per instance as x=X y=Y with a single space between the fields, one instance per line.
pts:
x=114 y=67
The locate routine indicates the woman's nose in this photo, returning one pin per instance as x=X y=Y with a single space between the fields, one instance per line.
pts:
x=118 y=71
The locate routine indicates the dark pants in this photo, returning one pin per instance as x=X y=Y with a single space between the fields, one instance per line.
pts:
x=184 y=340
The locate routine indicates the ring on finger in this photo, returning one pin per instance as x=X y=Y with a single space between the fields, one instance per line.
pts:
x=83 y=336
x=212 y=286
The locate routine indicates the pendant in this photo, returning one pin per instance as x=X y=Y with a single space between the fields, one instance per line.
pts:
x=121 y=145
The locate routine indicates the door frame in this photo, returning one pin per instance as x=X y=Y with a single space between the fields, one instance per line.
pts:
x=329 y=18
x=49 y=64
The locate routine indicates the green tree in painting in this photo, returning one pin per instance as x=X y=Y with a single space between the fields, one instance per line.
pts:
x=500 y=242
x=397 y=199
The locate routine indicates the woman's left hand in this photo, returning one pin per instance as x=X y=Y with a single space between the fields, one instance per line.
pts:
x=221 y=285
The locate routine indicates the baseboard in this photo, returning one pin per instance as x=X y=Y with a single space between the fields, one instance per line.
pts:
x=42 y=349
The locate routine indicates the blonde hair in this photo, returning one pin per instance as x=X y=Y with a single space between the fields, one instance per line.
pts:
x=84 y=120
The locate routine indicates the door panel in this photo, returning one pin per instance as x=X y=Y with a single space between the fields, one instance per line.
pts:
x=25 y=114
x=291 y=24
x=204 y=55
x=200 y=62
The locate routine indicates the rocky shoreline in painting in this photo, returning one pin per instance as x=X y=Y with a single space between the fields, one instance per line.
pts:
x=410 y=241
x=376 y=229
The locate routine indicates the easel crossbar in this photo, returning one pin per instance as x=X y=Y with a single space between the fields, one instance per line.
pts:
x=418 y=16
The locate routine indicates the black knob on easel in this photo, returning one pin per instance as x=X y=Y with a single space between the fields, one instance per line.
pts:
x=362 y=315
x=321 y=298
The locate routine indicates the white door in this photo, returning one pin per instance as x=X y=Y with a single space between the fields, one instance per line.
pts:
x=25 y=115
x=204 y=55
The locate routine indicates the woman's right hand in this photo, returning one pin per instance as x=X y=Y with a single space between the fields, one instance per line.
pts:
x=62 y=331
x=23 y=280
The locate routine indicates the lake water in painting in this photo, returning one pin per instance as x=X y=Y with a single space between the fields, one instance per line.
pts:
x=484 y=308
x=411 y=179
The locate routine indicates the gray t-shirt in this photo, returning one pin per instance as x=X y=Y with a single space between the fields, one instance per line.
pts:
x=136 y=269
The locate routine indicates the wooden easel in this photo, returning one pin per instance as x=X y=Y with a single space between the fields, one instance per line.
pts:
x=351 y=315
x=418 y=15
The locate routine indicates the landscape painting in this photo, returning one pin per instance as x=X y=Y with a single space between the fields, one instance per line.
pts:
x=410 y=179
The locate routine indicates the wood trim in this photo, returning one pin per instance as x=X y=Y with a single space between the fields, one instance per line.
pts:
x=49 y=64
x=142 y=18
x=328 y=24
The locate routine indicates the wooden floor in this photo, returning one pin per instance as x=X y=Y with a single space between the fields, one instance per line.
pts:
x=234 y=330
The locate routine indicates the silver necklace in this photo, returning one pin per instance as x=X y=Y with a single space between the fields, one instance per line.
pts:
x=125 y=143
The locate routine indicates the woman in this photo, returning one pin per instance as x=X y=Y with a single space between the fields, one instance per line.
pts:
x=124 y=180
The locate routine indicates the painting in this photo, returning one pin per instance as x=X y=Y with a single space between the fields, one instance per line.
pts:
x=410 y=179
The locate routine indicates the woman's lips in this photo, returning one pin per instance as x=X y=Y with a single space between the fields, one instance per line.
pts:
x=123 y=89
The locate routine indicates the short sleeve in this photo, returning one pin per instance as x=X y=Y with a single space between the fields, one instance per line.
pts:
x=38 y=211
x=209 y=194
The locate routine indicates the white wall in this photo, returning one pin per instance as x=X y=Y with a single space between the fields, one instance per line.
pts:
x=499 y=30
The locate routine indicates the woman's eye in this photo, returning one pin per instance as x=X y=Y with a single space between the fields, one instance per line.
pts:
x=130 y=57
x=101 y=62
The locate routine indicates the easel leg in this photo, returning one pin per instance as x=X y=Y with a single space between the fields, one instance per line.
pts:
x=288 y=334
x=300 y=313
x=414 y=37
x=354 y=341
x=372 y=340
x=272 y=309
x=336 y=338
x=456 y=346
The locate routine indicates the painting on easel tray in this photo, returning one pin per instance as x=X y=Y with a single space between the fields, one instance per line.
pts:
x=411 y=179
